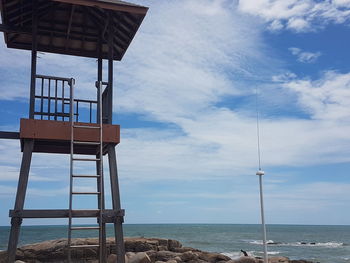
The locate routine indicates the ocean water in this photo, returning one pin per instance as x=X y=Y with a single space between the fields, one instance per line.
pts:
x=324 y=244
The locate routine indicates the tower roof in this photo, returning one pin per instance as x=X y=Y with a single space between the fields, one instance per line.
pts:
x=72 y=27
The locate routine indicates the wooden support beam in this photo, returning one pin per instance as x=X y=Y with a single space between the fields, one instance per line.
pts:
x=9 y=135
x=12 y=29
x=34 y=58
x=109 y=5
x=63 y=213
x=118 y=225
x=69 y=25
x=20 y=197
x=110 y=66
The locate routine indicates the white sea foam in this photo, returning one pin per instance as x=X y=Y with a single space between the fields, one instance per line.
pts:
x=273 y=252
x=260 y=242
x=235 y=255
x=331 y=244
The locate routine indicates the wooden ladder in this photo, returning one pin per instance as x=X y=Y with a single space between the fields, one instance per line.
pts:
x=100 y=226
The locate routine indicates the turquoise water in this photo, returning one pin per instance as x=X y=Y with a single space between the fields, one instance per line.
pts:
x=325 y=244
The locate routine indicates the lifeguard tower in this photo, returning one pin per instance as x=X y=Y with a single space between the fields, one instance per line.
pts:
x=97 y=29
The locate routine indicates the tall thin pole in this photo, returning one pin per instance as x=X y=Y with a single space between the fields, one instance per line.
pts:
x=260 y=173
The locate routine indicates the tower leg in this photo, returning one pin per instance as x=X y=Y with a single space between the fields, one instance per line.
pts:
x=20 y=197
x=118 y=227
x=102 y=249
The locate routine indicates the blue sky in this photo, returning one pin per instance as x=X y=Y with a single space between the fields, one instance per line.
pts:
x=185 y=99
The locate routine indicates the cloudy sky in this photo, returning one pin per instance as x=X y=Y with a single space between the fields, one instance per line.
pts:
x=186 y=101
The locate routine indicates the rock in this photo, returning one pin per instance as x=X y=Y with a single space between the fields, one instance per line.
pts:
x=300 y=261
x=278 y=260
x=140 y=257
x=129 y=254
x=166 y=255
x=245 y=260
x=189 y=255
x=163 y=242
x=112 y=258
x=139 y=246
x=213 y=257
x=197 y=261
x=185 y=249
x=162 y=248
x=178 y=259
x=172 y=244
x=138 y=250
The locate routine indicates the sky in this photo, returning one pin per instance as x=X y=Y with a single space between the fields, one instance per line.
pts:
x=186 y=96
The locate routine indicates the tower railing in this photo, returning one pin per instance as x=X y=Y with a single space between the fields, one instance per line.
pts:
x=52 y=101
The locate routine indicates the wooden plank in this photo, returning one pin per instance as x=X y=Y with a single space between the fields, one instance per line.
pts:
x=33 y=58
x=60 y=131
x=109 y=5
x=60 y=213
x=9 y=135
x=118 y=224
x=110 y=67
x=20 y=197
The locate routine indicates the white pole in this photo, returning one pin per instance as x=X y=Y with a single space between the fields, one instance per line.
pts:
x=260 y=174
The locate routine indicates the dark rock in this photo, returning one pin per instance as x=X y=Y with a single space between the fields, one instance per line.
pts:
x=166 y=255
x=112 y=258
x=162 y=248
x=185 y=249
x=245 y=260
x=197 y=261
x=300 y=261
x=189 y=256
x=152 y=255
x=213 y=257
x=173 y=244
x=140 y=257
x=278 y=260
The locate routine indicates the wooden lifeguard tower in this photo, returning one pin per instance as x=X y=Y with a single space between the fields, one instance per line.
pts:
x=100 y=29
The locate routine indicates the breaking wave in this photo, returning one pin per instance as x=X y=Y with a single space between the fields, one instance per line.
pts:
x=235 y=255
x=331 y=244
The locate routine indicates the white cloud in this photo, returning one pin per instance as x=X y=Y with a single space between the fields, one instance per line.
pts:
x=198 y=59
x=326 y=98
x=304 y=56
x=298 y=15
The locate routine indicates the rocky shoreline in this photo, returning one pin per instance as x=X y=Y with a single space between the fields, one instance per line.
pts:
x=138 y=250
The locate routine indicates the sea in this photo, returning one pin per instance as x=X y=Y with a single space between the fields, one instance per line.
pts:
x=324 y=244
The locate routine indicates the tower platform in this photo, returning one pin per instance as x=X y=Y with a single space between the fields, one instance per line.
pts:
x=54 y=136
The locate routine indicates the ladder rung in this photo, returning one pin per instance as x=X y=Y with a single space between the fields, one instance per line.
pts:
x=86 y=127
x=86 y=193
x=86 y=159
x=85 y=176
x=83 y=246
x=86 y=143
x=85 y=228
